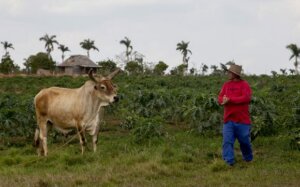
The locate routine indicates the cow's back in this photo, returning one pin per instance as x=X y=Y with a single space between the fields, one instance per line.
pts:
x=58 y=104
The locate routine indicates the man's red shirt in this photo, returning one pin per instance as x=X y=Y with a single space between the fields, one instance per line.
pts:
x=239 y=94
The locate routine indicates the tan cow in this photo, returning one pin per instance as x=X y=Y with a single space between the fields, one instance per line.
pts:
x=68 y=109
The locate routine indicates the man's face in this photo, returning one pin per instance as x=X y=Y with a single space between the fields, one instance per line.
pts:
x=231 y=75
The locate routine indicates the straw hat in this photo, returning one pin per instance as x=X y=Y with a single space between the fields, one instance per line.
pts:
x=236 y=69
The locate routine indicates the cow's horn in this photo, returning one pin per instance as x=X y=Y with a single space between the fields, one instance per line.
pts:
x=110 y=76
x=91 y=75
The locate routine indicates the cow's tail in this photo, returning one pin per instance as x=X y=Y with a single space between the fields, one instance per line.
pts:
x=36 y=138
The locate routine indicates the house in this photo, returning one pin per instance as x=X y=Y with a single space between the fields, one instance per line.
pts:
x=77 y=65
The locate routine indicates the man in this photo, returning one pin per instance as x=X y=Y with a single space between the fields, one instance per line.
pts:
x=235 y=96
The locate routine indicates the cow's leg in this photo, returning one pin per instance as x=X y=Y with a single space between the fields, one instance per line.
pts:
x=37 y=141
x=81 y=135
x=43 y=136
x=95 y=140
x=95 y=137
x=98 y=122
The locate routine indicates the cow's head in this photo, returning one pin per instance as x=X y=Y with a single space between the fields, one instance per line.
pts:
x=104 y=88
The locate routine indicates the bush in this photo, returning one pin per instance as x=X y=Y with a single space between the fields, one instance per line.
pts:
x=7 y=65
x=130 y=122
x=40 y=60
x=294 y=136
x=148 y=130
x=149 y=102
x=16 y=116
x=263 y=117
x=106 y=67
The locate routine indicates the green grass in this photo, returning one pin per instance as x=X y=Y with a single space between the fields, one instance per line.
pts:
x=180 y=159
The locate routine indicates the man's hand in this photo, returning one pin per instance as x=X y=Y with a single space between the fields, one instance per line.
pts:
x=225 y=100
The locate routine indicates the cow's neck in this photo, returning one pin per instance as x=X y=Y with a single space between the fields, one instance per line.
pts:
x=90 y=102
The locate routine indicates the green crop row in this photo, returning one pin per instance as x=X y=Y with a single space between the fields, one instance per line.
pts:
x=148 y=103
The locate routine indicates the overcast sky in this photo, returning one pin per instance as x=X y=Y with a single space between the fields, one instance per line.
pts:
x=253 y=33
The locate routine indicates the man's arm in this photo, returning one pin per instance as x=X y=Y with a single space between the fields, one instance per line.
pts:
x=244 y=98
x=221 y=95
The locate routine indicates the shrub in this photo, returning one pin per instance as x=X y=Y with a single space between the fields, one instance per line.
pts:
x=147 y=130
x=130 y=122
x=294 y=136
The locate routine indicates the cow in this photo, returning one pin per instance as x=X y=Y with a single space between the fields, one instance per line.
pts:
x=43 y=72
x=67 y=109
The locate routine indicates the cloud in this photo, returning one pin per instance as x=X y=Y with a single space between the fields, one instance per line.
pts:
x=12 y=7
x=19 y=7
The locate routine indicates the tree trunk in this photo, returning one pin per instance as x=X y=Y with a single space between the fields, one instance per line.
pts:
x=296 y=66
x=48 y=52
x=127 y=56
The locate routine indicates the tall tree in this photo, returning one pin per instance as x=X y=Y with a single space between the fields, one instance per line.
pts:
x=63 y=49
x=283 y=71
x=49 y=43
x=160 y=68
x=179 y=70
x=134 y=68
x=107 y=66
x=183 y=47
x=6 y=46
x=295 y=54
x=204 y=68
x=26 y=63
x=193 y=71
x=274 y=73
x=88 y=45
x=292 y=71
x=223 y=68
x=7 y=65
x=214 y=69
x=40 y=60
x=128 y=46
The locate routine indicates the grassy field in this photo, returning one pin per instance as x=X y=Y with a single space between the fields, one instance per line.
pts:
x=165 y=131
x=179 y=159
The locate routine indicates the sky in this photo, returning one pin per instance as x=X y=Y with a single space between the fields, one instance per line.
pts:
x=253 y=33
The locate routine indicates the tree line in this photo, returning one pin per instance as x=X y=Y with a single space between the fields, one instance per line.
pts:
x=131 y=60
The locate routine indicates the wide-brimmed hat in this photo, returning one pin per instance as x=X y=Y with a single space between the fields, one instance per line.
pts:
x=236 y=69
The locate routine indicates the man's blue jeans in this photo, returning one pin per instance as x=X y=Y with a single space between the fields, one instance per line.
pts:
x=232 y=131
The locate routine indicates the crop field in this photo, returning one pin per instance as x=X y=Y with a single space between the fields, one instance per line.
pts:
x=164 y=131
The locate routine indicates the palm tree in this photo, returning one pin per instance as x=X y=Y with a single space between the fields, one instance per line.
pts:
x=63 y=49
x=88 y=45
x=295 y=54
x=283 y=71
x=214 y=69
x=27 y=65
x=183 y=47
x=223 y=67
x=292 y=71
x=6 y=46
x=49 y=43
x=128 y=46
x=274 y=73
x=204 y=68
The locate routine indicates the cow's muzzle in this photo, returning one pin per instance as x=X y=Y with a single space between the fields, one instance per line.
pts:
x=116 y=99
